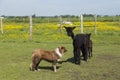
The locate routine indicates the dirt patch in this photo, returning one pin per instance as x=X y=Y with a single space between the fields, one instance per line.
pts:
x=108 y=57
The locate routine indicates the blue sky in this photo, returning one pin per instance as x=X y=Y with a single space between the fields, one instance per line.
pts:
x=59 y=7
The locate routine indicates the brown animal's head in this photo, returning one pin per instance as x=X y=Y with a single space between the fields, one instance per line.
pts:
x=62 y=49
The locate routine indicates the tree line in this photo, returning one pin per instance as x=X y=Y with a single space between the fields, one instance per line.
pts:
x=72 y=18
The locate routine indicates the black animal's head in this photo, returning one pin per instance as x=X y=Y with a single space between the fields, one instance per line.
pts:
x=69 y=30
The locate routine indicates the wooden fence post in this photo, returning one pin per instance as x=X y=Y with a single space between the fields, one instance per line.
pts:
x=1 y=24
x=95 y=25
x=30 y=28
x=81 y=23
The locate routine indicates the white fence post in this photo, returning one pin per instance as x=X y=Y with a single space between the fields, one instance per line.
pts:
x=1 y=24
x=81 y=23
x=30 y=28
x=95 y=26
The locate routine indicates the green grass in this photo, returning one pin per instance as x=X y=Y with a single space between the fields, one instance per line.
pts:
x=15 y=56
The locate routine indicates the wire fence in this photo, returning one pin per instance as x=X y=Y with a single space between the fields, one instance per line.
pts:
x=47 y=28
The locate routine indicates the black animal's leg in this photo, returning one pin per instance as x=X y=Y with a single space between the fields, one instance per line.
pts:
x=82 y=56
x=90 y=48
x=85 y=53
x=78 y=57
x=89 y=52
x=75 y=55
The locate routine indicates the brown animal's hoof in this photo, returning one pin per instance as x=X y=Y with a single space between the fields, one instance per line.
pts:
x=55 y=71
x=38 y=70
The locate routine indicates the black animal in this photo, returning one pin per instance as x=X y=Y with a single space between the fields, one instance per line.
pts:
x=80 y=43
x=90 y=49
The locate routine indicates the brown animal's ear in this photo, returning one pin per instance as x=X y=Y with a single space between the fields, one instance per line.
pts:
x=62 y=47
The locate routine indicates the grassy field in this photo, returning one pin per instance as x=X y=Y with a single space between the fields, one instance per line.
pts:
x=15 y=53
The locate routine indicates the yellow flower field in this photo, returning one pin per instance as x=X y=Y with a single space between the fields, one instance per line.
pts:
x=105 y=26
x=10 y=27
x=19 y=31
x=53 y=26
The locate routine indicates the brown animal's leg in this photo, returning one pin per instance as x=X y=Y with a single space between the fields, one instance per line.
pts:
x=54 y=65
x=37 y=65
x=37 y=61
x=32 y=66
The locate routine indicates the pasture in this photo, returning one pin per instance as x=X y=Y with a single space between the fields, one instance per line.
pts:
x=16 y=50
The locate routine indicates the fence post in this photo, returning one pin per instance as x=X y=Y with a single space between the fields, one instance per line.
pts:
x=95 y=25
x=81 y=23
x=1 y=24
x=30 y=17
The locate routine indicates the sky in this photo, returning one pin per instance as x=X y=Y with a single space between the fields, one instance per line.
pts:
x=58 y=7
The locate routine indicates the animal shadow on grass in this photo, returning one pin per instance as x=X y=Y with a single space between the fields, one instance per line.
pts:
x=71 y=60
x=48 y=67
